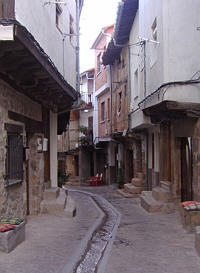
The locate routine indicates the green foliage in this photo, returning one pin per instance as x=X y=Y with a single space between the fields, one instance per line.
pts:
x=62 y=177
x=84 y=140
x=83 y=130
x=82 y=102
x=120 y=177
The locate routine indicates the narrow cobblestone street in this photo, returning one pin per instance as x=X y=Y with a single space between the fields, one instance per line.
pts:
x=143 y=243
x=147 y=242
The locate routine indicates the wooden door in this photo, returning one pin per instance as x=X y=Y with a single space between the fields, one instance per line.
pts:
x=186 y=169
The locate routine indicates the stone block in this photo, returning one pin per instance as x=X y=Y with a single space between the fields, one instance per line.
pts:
x=51 y=194
x=132 y=189
x=12 y=238
x=149 y=203
x=138 y=182
x=70 y=208
x=126 y=194
x=54 y=206
x=161 y=194
x=190 y=219
x=197 y=240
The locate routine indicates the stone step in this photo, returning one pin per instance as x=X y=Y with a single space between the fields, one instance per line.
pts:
x=165 y=185
x=197 y=240
x=149 y=203
x=126 y=194
x=73 y=179
x=54 y=206
x=140 y=175
x=161 y=194
x=132 y=189
x=70 y=207
x=51 y=194
x=72 y=183
x=138 y=182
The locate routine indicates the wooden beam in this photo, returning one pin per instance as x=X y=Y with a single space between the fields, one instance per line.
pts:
x=7 y=9
x=20 y=33
x=12 y=128
x=31 y=125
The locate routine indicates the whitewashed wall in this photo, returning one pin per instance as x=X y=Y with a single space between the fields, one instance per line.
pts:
x=40 y=21
x=175 y=58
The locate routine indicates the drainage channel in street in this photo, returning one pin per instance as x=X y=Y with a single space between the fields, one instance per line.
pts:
x=94 y=258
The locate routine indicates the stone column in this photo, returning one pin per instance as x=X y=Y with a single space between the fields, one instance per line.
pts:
x=53 y=150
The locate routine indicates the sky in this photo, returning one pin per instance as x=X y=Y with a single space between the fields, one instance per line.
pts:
x=95 y=15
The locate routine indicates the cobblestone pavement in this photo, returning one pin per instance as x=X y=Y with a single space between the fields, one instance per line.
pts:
x=144 y=243
x=53 y=243
x=148 y=242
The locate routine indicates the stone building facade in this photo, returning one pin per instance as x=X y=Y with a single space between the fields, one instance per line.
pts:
x=14 y=198
x=34 y=96
x=163 y=87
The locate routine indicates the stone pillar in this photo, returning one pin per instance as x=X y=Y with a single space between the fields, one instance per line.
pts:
x=84 y=164
x=164 y=152
x=111 y=163
x=156 y=158
x=53 y=150
x=150 y=163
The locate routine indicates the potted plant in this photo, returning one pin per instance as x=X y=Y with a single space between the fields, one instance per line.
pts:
x=120 y=179
x=62 y=178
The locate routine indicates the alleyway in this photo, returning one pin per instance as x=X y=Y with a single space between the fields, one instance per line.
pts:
x=149 y=243
x=144 y=243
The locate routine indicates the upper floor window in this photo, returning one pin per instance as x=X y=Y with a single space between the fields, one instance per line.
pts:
x=154 y=46
x=108 y=108
x=71 y=27
x=103 y=111
x=99 y=63
x=119 y=103
x=154 y=30
x=135 y=84
x=58 y=15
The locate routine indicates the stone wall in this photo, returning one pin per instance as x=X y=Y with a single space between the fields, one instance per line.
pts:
x=36 y=176
x=13 y=199
x=196 y=161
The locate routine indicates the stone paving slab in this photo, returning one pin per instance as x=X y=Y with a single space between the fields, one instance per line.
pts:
x=144 y=243
x=52 y=242
x=149 y=242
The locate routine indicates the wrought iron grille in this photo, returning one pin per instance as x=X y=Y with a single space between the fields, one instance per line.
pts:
x=14 y=159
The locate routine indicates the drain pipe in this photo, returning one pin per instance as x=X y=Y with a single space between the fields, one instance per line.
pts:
x=111 y=98
x=147 y=160
x=77 y=46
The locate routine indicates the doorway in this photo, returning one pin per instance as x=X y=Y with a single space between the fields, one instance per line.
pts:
x=130 y=162
x=186 y=169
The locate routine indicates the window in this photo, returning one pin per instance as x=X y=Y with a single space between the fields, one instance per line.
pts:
x=108 y=109
x=89 y=98
x=154 y=30
x=119 y=103
x=154 y=46
x=135 y=86
x=103 y=111
x=14 y=155
x=99 y=63
x=71 y=27
x=58 y=15
x=125 y=90
x=123 y=63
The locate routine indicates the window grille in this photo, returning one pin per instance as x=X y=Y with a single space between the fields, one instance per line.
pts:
x=14 y=159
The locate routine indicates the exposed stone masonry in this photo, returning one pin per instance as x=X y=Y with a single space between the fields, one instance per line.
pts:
x=13 y=198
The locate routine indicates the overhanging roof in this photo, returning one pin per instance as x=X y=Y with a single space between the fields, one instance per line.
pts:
x=125 y=17
x=98 y=39
x=27 y=68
